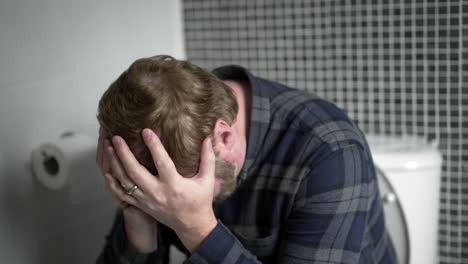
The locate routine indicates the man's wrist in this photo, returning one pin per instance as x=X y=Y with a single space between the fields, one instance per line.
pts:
x=194 y=237
x=144 y=241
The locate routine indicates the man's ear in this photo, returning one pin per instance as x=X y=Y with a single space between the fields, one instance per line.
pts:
x=223 y=137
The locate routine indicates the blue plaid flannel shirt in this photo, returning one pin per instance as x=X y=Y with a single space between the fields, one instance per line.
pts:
x=307 y=192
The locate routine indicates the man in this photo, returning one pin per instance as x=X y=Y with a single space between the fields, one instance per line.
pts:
x=233 y=168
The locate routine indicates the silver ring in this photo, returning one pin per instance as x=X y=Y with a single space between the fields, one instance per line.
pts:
x=132 y=190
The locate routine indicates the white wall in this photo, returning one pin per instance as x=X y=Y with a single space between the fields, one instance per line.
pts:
x=56 y=59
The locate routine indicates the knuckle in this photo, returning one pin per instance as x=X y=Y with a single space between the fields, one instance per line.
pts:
x=133 y=172
x=151 y=207
x=126 y=185
x=155 y=198
x=158 y=199
x=178 y=192
x=160 y=163
x=162 y=167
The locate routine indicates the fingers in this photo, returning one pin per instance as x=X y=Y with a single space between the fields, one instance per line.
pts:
x=118 y=193
x=117 y=170
x=105 y=163
x=207 y=160
x=132 y=168
x=135 y=171
x=101 y=157
x=99 y=151
x=162 y=160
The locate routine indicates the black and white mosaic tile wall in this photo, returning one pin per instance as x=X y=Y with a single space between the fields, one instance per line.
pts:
x=397 y=67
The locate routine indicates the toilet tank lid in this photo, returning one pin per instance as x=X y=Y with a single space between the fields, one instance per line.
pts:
x=403 y=152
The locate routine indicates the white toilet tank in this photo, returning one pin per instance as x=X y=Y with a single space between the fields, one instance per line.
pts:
x=410 y=187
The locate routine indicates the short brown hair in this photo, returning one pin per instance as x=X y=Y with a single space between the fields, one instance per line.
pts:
x=180 y=101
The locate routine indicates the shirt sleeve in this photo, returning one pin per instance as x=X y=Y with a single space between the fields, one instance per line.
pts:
x=221 y=246
x=118 y=250
x=329 y=221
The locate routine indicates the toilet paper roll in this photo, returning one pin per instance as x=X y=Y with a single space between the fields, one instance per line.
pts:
x=53 y=162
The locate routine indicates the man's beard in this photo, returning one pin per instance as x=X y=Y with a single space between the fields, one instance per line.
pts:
x=225 y=171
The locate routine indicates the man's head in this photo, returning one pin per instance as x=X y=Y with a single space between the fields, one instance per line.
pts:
x=183 y=104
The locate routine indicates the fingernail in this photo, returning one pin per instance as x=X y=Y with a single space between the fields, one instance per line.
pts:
x=115 y=140
x=146 y=134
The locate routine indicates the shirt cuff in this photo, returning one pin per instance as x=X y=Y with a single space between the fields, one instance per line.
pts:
x=215 y=247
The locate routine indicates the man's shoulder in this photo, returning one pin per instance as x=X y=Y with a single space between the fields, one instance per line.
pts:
x=307 y=115
x=303 y=129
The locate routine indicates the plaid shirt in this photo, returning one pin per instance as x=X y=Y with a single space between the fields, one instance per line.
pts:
x=307 y=192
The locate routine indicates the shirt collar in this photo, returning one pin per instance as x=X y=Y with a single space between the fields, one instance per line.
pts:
x=260 y=112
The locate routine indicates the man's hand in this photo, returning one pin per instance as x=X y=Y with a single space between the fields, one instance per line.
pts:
x=141 y=228
x=183 y=204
